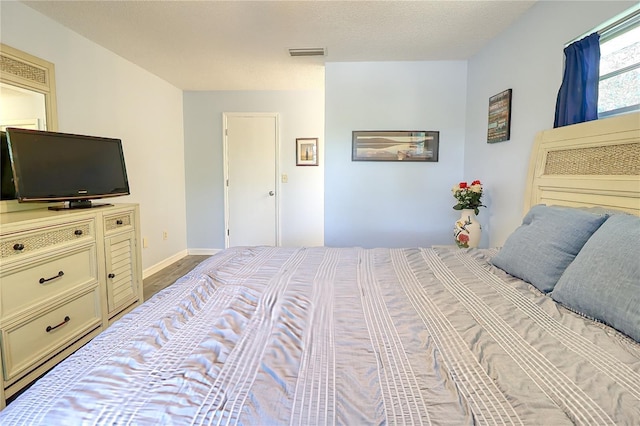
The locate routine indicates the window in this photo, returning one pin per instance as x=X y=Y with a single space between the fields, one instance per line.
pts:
x=619 y=89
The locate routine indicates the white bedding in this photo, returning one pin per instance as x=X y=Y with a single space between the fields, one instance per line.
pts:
x=344 y=336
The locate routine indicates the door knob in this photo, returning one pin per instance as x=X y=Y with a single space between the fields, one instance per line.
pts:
x=271 y=193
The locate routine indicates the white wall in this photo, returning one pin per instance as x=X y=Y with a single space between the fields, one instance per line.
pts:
x=301 y=114
x=100 y=93
x=528 y=57
x=393 y=204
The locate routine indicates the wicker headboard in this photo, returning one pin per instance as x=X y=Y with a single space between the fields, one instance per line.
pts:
x=596 y=163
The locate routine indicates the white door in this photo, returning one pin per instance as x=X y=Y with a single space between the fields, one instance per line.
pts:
x=250 y=150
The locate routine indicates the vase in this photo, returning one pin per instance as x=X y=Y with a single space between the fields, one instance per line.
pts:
x=467 y=229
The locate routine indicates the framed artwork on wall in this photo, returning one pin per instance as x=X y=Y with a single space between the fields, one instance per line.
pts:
x=408 y=146
x=499 y=129
x=306 y=151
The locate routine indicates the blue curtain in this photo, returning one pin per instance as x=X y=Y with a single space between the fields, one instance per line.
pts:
x=578 y=94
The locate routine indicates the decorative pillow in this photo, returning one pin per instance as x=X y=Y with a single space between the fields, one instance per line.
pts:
x=603 y=282
x=546 y=243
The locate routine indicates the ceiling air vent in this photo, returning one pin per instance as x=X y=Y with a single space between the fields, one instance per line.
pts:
x=313 y=51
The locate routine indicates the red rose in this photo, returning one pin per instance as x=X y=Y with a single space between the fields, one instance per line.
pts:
x=476 y=182
x=463 y=185
x=463 y=238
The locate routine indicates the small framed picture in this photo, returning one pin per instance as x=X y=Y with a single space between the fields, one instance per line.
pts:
x=306 y=151
x=499 y=129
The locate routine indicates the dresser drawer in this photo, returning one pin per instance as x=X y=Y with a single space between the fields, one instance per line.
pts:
x=37 y=339
x=30 y=284
x=29 y=242
x=118 y=222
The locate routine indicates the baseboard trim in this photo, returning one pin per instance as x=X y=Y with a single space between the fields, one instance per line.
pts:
x=202 y=251
x=163 y=264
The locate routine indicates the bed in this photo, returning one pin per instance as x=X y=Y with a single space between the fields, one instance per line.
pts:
x=440 y=335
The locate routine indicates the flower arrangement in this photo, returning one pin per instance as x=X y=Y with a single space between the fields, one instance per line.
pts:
x=468 y=196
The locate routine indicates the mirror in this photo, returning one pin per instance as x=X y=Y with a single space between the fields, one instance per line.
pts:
x=21 y=108
x=27 y=89
x=27 y=99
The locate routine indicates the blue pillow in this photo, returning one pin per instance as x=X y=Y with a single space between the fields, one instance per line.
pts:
x=603 y=282
x=546 y=243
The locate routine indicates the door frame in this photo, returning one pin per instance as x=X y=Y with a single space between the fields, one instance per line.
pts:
x=225 y=162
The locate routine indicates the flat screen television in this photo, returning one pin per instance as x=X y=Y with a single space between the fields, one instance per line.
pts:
x=54 y=167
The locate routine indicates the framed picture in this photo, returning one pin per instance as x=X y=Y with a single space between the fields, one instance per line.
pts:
x=306 y=151
x=499 y=129
x=415 y=145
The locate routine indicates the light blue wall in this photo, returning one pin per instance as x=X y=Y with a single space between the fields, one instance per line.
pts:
x=102 y=94
x=301 y=114
x=528 y=58
x=392 y=204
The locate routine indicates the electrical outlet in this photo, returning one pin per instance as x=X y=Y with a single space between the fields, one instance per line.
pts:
x=165 y=235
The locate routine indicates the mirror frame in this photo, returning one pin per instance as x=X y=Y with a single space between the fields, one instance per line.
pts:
x=20 y=69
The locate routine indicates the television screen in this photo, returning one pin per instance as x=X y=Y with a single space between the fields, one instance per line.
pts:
x=51 y=166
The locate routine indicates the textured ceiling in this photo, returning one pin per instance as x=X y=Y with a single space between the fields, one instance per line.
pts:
x=243 y=45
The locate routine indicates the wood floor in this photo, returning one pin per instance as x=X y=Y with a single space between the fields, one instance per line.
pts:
x=167 y=276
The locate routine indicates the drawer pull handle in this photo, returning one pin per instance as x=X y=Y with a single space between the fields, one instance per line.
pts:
x=111 y=275
x=119 y=222
x=44 y=280
x=77 y=232
x=18 y=246
x=66 y=320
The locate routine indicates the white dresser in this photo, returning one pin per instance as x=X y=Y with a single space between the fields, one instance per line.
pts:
x=64 y=277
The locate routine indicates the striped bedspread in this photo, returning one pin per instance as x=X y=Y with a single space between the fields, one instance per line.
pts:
x=306 y=336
